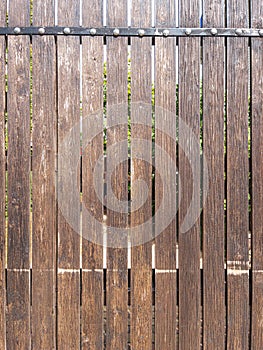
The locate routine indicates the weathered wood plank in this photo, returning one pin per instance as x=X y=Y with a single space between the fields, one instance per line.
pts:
x=43 y=180
x=92 y=127
x=117 y=180
x=189 y=172
x=213 y=152
x=237 y=181
x=165 y=139
x=3 y=181
x=141 y=170
x=18 y=310
x=257 y=184
x=68 y=283
x=18 y=283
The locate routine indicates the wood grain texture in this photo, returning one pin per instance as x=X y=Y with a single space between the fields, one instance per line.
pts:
x=165 y=139
x=3 y=181
x=141 y=170
x=257 y=184
x=237 y=180
x=18 y=310
x=43 y=181
x=18 y=283
x=189 y=172
x=92 y=141
x=117 y=180
x=214 y=311
x=68 y=298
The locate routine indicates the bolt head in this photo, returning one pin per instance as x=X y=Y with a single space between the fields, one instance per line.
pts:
x=116 y=32
x=66 y=30
x=213 y=31
x=166 y=32
x=41 y=31
x=239 y=31
x=260 y=32
x=17 y=30
x=188 y=31
x=141 y=32
x=93 y=31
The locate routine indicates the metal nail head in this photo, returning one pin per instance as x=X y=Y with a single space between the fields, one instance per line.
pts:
x=141 y=32
x=93 y=31
x=239 y=31
x=213 y=31
x=17 y=30
x=116 y=32
x=166 y=32
x=188 y=31
x=66 y=30
x=41 y=31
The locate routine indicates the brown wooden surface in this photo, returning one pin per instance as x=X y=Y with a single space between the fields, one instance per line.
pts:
x=237 y=181
x=2 y=176
x=92 y=253
x=189 y=242
x=18 y=283
x=257 y=184
x=165 y=121
x=43 y=181
x=68 y=279
x=141 y=131
x=117 y=131
x=214 y=319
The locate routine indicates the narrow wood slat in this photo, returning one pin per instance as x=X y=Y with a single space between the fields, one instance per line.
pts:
x=3 y=181
x=257 y=184
x=213 y=152
x=237 y=181
x=18 y=283
x=43 y=180
x=117 y=180
x=68 y=282
x=189 y=172
x=165 y=139
x=141 y=170
x=92 y=145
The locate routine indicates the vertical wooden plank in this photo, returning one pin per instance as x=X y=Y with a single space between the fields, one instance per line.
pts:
x=213 y=152
x=189 y=172
x=257 y=183
x=141 y=170
x=43 y=180
x=3 y=177
x=68 y=279
x=117 y=180
x=92 y=141
x=237 y=181
x=18 y=290
x=165 y=139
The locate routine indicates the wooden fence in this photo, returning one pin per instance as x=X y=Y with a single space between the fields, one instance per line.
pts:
x=131 y=199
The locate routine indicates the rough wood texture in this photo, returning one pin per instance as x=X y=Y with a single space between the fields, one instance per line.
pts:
x=189 y=172
x=117 y=180
x=3 y=177
x=43 y=181
x=18 y=290
x=141 y=170
x=18 y=310
x=213 y=211
x=257 y=184
x=92 y=253
x=68 y=232
x=165 y=139
x=237 y=181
